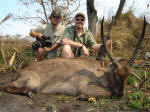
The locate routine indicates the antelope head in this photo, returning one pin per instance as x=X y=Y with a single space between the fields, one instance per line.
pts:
x=121 y=67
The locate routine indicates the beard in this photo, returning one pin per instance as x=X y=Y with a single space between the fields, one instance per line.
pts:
x=79 y=26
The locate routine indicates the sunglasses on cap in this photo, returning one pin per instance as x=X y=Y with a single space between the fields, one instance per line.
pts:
x=81 y=20
x=56 y=17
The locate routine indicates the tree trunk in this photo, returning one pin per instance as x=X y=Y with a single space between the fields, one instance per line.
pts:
x=119 y=11
x=92 y=16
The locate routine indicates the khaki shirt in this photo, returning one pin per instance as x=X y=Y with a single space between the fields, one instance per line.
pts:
x=48 y=31
x=86 y=39
x=54 y=34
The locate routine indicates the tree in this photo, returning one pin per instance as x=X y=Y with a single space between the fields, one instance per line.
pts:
x=38 y=10
x=92 y=16
x=119 y=11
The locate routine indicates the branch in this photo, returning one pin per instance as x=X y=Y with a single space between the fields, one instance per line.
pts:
x=42 y=4
x=142 y=83
x=76 y=8
x=28 y=18
x=132 y=73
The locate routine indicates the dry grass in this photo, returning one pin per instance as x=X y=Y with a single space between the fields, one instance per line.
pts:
x=125 y=35
x=21 y=46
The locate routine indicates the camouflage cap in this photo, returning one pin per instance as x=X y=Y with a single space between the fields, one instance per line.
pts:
x=55 y=13
x=80 y=14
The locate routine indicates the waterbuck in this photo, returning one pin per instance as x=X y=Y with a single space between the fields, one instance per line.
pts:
x=78 y=77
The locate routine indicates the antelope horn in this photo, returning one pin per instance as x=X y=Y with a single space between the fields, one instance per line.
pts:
x=114 y=62
x=110 y=27
x=131 y=60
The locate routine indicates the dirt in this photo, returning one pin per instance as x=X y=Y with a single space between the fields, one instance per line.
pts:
x=55 y=103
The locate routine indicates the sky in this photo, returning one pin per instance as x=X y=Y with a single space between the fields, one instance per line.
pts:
x=105 y=8
x=10 y=26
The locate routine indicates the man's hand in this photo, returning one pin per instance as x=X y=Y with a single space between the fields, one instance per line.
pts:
x=40 y=36
x=54 y=46
x=107 y=42
x=85 y=51
x=36 y=34
x=46 y=48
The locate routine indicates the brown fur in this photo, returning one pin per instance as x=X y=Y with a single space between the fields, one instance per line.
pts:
x=71 y=77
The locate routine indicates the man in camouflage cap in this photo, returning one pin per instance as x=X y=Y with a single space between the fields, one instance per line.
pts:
x=48 y=37
x=77 y=39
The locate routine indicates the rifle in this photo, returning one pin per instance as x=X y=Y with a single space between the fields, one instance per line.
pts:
x=41 y=43
x=102 y=51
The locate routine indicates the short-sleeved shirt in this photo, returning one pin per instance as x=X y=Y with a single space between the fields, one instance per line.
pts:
x=55 y=36
x=86 y=39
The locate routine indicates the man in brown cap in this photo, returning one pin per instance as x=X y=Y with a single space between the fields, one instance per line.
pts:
x=48 y=37
x=77 y=39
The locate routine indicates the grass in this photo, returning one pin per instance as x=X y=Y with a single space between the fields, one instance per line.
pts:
x=132 y=81
x=138 y=101
x=1 y=94
x=29 y=102
x=24 y=54
x=64 y=98
x=51 y=107
x=102 y=102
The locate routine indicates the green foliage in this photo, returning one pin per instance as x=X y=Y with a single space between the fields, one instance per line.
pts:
x=118 y=106
x=102 y=102
x=29 y=102
x=0 y=58
x=148 y=73
x=11 y=68
x=138 y=101
x=141 y=73
x=1 y=94
x=63 y=98
x=132 y=80
x=51 y=108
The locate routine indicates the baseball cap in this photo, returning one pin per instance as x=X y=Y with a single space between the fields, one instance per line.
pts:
x=80 y=14
x=55 y=13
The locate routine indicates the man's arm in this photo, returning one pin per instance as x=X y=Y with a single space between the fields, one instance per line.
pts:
x=36 y=34
x=54 y=46
x=73 y=44
x=98 y=46
x=64 y=41
x=76 y=45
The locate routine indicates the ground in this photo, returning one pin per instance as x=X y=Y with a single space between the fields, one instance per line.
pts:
x=57 y=103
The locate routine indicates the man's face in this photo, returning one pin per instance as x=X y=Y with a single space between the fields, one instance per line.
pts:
x=79 y=22
x=55 y=20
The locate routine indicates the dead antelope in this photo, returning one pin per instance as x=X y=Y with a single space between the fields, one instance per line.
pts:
x=79 y=77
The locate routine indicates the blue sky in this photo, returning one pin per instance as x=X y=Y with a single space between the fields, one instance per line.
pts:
x=7 y=6
x=11 y=26
x=105 y=8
